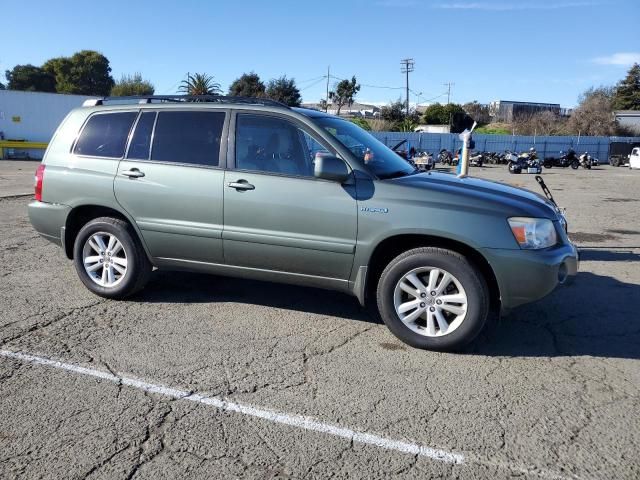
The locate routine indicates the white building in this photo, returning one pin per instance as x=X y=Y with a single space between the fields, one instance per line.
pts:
x=355 y=110
x=34 y=116
x=433 y=129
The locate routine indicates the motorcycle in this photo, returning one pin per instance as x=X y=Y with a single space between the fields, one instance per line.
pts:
x=526 y=161
x=476 y=160
x=423 y=160
x=585 y=160
x=514 y=163
x=568 y=159
x=493 y=158
x=445 y=157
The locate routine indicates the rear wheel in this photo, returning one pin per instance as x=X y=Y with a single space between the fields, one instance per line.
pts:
x=109 y=259
x=434 y=299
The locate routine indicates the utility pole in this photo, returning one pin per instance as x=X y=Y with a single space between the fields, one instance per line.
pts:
x=326 y=106
x=406 y=67
x=448 y=85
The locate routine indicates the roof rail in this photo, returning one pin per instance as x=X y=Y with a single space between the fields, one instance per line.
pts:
x=185 y=98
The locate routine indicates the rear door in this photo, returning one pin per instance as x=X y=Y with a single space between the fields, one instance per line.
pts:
x=171 y=182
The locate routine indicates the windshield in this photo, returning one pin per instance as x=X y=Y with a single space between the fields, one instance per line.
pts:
x=381 y=160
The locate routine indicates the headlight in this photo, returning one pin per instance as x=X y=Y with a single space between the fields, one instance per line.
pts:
x=533 y=233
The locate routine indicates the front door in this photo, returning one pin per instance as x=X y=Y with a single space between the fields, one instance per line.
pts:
x=171 y=184
x=277 y=216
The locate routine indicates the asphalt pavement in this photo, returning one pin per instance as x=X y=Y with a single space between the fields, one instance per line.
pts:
x=208 y=377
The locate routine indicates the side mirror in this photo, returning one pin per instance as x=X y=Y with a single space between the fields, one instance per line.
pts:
x=330 y=168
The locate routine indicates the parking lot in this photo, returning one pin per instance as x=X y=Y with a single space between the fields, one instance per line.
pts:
x=207 y=377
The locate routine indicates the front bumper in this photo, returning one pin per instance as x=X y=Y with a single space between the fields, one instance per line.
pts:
x=49 y=219
x=525 y=276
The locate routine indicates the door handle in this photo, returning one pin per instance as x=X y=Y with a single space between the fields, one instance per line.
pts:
x=241 y=185
x=133 y=173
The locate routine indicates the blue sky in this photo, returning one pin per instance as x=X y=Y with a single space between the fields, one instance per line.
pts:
x=533 y=50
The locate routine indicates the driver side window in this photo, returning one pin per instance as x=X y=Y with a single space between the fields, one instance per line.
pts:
x=272 y=144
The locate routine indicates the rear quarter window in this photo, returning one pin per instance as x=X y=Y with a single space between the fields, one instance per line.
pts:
x=188 y=137
x=105 y=135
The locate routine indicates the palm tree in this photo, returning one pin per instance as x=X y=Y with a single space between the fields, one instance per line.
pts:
x=200 y=84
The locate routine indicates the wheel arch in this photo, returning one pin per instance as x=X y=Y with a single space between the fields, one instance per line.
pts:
x=392 y=246
x=81 y=215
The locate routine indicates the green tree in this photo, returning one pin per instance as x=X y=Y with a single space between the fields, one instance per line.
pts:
x=60 y=69
x=132 y=85
x=200 y=84
x=247 y=85
x=30 y=78
x=284 y=90
x=407 y=125
x=2 y=87
x=344 y=93
x=593 y=116
x=436 y=114
x=86 y=72
x=451 y=114
x=362 y=123
x=393 y=112
x=478 y=111
x=627 y=92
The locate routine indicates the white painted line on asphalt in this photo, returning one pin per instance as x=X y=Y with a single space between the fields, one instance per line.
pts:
x=293 y=420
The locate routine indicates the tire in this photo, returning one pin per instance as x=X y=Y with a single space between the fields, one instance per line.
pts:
x=136 y=265
x=575 y=165
x=464 y=327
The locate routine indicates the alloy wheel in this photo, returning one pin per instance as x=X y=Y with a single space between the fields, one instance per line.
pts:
x=430 y=301
x=104 y=259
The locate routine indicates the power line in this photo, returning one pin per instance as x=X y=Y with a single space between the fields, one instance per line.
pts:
x=424 y=99
x=173 y=88
x=370 y=86
x=321 y=79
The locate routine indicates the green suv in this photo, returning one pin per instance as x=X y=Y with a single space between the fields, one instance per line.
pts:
x=253 y=188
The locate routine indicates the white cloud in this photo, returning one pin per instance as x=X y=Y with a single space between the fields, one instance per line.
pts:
x=503 y=7
x=624 y=59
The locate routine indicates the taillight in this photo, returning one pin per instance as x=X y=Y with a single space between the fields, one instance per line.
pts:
x=38 y=182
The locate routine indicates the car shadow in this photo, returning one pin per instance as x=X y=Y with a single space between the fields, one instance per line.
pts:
x=595 y=316
x=182 y=287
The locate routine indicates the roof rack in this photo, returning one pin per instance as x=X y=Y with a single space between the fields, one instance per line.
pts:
x=143 y=99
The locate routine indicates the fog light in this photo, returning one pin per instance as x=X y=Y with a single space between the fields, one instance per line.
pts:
x=562 y=273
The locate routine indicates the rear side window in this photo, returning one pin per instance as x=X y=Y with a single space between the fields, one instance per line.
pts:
x=105 y=135
x=141 y=140
x=188 y=137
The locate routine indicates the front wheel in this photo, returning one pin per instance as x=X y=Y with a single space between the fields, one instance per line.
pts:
x=575 y=165
x=109 y=259
x=434 y=299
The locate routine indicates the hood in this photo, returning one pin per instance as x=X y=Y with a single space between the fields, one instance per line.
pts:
x=472 y=191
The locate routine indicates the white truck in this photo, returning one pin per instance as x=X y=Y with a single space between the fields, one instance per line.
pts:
x=634 y=158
